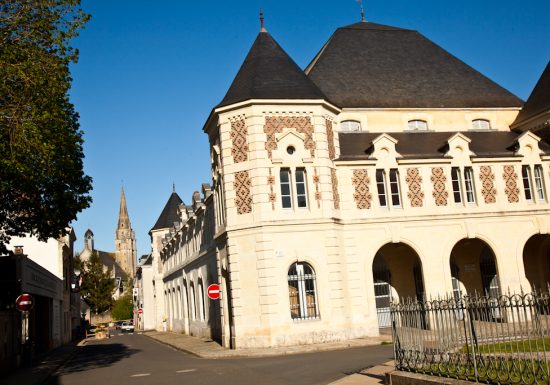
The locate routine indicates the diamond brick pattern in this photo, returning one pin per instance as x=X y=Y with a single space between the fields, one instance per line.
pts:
x=243 y=199
x=510 y=180
x=414 y=181
x=488 y=190
x=335 y=195
x=362 y=195
x=276 y=124
x=238 y=133
x=330 y=139
x=317 y=180
x=439 y=193
x=272 y=195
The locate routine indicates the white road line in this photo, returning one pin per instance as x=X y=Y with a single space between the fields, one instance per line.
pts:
x=140 y=375
x=185 y=370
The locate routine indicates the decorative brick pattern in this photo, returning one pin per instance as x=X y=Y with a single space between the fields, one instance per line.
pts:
x=330 y=139
x=272 y=195
x=362 y=195
x=316 y=181
x=238 y=133
x=335 y=195
x=276 y=124
x=243 y=199
x=510 y=180
x=488 y=190
x=438 y=179
x=414 y=181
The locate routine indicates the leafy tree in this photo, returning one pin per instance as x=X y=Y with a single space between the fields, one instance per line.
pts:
x=123 y=307
x=42 y=182
x=97 y=285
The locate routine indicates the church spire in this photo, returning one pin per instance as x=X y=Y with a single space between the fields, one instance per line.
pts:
x=123 y=219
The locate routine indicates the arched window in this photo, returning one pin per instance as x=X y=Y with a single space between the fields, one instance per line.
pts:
x=417 y=125
x=481 y=124
x=202 y=305
x=192 y=301
x=302 y=292
x=350 y=125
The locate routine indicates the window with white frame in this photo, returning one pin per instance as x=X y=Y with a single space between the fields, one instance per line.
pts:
x=481 y=124
x=293 y=188
x=350 y=125
x=388 y=188
x=463 y=185
x=302 y=292
x=533 y=192
x=417 y=125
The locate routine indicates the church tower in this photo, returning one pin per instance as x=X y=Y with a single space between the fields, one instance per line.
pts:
x=125 y=239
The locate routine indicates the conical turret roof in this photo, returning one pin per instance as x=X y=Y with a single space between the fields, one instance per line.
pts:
x=269 y=73
x=169 y=214
x=539 y=100
x=123 y=219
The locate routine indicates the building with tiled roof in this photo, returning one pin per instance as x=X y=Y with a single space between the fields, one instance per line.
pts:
x=386 y=170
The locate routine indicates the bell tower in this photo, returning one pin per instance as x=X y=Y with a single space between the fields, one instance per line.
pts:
x=125 y=239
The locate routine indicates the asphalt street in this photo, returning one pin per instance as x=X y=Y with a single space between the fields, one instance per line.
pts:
x=133 y=359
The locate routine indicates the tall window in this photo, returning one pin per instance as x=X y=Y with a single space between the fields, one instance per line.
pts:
x=192 y=302
x=533 y=192
x=293 y=192
x=350 y=125
x=418 y=125
x=463 y=186
x=481 y=124
x=302 y=292
x=388 y=189
x=202 y=305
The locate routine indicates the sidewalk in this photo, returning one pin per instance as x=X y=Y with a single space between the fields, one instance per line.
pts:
x=43 y=368
x=206 y=348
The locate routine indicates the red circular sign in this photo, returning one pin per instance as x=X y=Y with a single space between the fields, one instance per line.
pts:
x=140 y=311
x=214 y=291
x=24 y=302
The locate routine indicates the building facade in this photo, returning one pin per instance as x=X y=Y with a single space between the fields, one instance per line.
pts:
x=385 y=170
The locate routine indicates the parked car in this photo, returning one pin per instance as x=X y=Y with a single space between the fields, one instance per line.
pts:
x=127 y=327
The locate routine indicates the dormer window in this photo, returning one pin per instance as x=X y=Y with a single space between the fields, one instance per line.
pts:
x=418 y=125
x=481 y=124
x=350 y=125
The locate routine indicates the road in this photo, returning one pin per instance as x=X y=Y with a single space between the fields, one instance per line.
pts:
x=134 y=359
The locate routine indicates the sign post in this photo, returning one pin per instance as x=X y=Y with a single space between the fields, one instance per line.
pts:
x=24 y=303
x=213 y=291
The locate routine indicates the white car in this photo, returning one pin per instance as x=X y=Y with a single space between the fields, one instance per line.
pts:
x=127 y=327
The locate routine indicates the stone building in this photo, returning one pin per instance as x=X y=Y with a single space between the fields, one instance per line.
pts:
x=385 y=170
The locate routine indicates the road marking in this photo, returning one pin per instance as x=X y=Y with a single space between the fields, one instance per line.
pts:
x=140 y=375
x=186 y=370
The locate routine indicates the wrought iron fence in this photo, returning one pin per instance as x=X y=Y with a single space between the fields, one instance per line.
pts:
x=502 y=340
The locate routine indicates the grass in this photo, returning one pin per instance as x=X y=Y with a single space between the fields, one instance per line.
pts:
x=520 y=346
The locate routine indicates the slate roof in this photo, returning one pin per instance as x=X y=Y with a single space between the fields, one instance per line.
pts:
x=369 y=65
x=108 y=259
x=539 y=100
x=169 y=214
x=269 y=73
x=429 y=145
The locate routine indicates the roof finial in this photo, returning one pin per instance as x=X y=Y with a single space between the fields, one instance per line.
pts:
x=262 y=27
x=173 y=187
x=362 y=11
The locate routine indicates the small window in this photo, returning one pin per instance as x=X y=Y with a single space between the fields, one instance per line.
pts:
x=462 y=189
x=301 y=195
x=481 y=124
x=527 y=185
x=302 y=292
x=418 y=125
x=469 y=181
x=388 y=191
x=539 y=183
x=289 y=191
x=455 y=178
x=286 y=194
x=350 y=125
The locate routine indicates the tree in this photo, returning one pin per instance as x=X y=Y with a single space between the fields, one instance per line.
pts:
x=97 y=285
x=42 y=182
x=123 y=307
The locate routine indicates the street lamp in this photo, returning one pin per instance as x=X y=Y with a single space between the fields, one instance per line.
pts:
x=76 y=281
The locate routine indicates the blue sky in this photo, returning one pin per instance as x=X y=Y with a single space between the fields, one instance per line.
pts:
x=150 y=72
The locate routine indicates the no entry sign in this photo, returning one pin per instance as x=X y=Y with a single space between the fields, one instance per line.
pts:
x=213 y=291
x=140 y=311
x=24 y=302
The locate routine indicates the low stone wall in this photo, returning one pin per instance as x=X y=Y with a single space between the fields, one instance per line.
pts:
x=398 y=377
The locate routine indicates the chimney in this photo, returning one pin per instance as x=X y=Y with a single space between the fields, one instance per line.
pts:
x=18 y=250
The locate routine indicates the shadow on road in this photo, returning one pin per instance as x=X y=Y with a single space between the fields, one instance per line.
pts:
x=97 y=356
